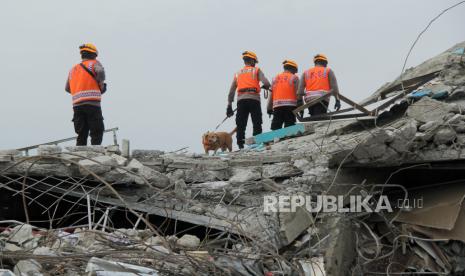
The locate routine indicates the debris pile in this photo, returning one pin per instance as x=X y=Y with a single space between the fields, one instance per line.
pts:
x=89 y=210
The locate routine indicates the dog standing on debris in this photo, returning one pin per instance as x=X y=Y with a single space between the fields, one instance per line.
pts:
x=218 y=140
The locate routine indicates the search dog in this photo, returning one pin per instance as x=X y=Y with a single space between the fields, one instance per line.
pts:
x=217 y=140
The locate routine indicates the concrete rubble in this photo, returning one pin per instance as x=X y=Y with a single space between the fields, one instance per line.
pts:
x=92 y=211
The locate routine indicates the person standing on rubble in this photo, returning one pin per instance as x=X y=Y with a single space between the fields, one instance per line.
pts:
x=86 y=84
x=316 y=82
x=283 y=99
x=247 y=83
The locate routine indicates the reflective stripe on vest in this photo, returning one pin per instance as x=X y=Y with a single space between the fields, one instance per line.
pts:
x=284 y=90
x=82 y=85
x=316 y=81
x=247 y=80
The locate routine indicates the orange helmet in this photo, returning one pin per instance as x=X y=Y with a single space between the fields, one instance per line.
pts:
x=291 y=63
x=320 y=57
x=251 y=55
x=88 y=47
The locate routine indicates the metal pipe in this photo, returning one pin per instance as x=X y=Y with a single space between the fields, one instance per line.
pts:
x=26 y=149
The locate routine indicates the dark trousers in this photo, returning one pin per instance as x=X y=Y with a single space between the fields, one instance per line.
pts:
x=282 y=115
x=319 y=108
x=244 y=108
x=88 y=119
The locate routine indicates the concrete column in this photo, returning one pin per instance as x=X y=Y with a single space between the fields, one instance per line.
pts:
x=125 y=150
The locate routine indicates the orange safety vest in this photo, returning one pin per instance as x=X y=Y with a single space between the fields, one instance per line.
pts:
x=316 y=81
x=82 y=85
x=284 y=90
x=247 y=80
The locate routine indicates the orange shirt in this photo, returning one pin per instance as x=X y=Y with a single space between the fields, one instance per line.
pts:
x=284 y=90
x=316 y=79
x=83 y=86
x=247 y=80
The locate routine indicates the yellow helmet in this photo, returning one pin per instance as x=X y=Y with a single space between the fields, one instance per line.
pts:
x=320 y=57
x=251 y=55
x=88 y=47
x=290 y=63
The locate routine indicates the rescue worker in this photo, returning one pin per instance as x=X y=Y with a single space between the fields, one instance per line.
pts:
x=283 y=97
x=86 y=85
x=316 y=82
x=247 y=83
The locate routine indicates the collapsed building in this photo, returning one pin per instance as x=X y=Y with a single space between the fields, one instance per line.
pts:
x=95 y=211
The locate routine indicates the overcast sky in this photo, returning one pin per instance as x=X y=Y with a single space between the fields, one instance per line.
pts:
x=169 y=64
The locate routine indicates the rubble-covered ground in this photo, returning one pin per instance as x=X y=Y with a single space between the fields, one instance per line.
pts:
x=92 y=211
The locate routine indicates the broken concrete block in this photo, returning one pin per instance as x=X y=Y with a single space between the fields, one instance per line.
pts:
x=112 y=149
x=292 y=224
x=197 y=209
x=156 y=240
x=28 y=267
x=120 y=160
x=403 y=137
x=98 y=165
x=379 y=137
x=456 y=119
x=427 y=109
x=245 y=174
x=79 y=155
x=245 y=161
x=146 y=155
x=188 y=241
x=48 y=150
x=98 y=149
x=211 y=185
x=444 y=135
x=180 y=189
x=407 y=131
x=200 y=175
x=420 y=140
x=21 y=235
x=182 y=162
x=429 y=126
x=448 y=116
x=372 y=151
x=279 y=170
x=152 y=176
x=276 y=158
x=303 y=164
x=119 y=176
x=460 y=127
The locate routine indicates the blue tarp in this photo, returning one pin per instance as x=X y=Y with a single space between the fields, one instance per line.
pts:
x=280 y=133
x=459 y=51
x=420 y=93
x=438 y=95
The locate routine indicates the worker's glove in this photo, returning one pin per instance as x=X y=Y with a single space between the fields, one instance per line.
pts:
x=337 y=105
x=104 y=88
x=269 y=111
x=229 y=111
